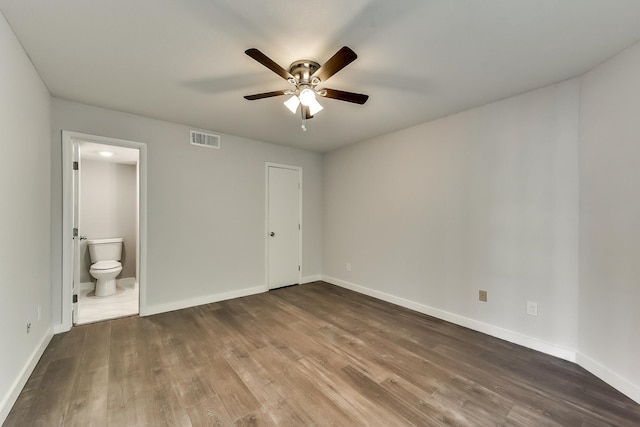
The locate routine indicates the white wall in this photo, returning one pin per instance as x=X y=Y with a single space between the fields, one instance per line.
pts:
x=485 y=199
x=25 y=225
x=610 y=221
x=108 y=208
x=206 y=207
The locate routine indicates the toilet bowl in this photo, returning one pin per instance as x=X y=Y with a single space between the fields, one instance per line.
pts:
x=105 y=273
x=105 y=255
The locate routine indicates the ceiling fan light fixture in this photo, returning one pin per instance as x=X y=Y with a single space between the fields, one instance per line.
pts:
x=292 y=104
x=306 y=75
x=314 y=107
x=307 y=97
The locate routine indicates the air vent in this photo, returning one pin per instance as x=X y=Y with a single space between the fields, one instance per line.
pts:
x=202 y=139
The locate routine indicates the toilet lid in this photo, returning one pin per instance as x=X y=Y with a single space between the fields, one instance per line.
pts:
x=105 y=265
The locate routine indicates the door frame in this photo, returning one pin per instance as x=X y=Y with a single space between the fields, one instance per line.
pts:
x=70 y=138
x=298 y=169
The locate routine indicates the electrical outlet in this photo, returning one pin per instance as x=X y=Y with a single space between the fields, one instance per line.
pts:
x=532 y=308
x=348 y=266
x=28 y=327
x=482 y=296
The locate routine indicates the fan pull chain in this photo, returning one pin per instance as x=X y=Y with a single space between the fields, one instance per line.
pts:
x=302 y=119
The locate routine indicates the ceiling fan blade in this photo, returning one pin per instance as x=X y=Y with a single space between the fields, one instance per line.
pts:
x=356 y=98
x=337 y=62
x=265 y=95
x=268 y=62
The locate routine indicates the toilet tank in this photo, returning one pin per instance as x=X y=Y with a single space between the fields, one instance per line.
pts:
x=105 y=249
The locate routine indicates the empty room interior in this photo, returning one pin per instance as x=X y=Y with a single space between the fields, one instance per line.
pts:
x=423 y=212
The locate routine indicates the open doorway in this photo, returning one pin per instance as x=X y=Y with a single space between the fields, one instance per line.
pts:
x=108 y=228
x=104 y=199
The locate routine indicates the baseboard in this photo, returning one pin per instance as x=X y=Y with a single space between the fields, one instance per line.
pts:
x=60 y=328
x=309 y=279
x=486 y=328
x=607 y=375
x=207 y=299
x=127 y=282
x=17 y=386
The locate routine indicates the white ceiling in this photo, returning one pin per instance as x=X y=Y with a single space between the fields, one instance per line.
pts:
x=183 y=61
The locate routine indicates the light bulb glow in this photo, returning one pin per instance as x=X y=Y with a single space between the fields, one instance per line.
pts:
x=307 y=97
x=292 y=104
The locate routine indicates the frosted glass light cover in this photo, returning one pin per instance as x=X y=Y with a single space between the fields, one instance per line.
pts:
x=315 y=107
x=292 y=103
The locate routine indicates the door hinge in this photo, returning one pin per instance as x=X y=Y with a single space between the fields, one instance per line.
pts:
x=75 y=232
x=76 y=166
x=299 y=227
x=298 y=268
x=75 y=298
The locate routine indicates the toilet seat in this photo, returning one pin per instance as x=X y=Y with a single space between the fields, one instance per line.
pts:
x=105 y=265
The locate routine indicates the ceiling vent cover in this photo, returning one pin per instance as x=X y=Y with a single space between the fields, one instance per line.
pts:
x=202 y=139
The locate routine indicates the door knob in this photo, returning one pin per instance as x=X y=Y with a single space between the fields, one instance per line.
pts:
x=272 y=234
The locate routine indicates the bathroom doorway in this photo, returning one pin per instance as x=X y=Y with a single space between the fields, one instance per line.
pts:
x=108 y=209
x=105 y=199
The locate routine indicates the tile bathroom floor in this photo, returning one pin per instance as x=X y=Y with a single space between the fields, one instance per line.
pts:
x=93 y=309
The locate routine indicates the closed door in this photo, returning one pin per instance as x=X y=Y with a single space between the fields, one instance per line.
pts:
x=283 y=226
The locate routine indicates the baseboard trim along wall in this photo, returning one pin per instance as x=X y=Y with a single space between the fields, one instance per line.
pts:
x=206 y=299
x=125 y=282
x=309 y=279
x=59 y=329
x=486 y=328
x=17 y=386
x=610 y=377
x=605 y=374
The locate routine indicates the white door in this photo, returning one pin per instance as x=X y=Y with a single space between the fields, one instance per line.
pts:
x=283 y=226
x=76 y=236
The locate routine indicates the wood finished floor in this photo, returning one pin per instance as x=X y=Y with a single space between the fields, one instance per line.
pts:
x=313 y=354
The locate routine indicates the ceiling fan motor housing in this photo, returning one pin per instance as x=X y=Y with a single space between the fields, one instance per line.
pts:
x=303 y=69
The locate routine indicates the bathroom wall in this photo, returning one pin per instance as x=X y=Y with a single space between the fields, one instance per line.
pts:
x=108 y=208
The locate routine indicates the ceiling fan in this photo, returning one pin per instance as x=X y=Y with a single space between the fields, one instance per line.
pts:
x=306 y=75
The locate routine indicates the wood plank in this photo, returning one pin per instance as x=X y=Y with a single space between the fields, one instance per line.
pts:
x=209 y=412
x=126 y=387
x=48 y=403
x=88 y=396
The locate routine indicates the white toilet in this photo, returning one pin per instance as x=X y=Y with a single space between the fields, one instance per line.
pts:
x=105 y=257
